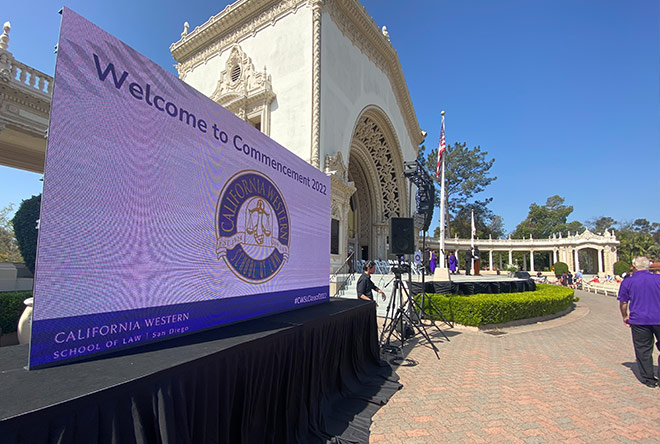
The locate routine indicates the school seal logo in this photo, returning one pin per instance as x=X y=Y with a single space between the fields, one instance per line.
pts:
x=252 y=227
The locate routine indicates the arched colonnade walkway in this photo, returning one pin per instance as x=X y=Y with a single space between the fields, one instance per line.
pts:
x=587 y=251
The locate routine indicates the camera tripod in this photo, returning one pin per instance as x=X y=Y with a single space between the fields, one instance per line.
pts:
x=401 y=323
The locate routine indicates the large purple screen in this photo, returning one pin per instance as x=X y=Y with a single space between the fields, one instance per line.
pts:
x=162 y=212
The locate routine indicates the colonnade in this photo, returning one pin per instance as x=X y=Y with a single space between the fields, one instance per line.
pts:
x=565 y=249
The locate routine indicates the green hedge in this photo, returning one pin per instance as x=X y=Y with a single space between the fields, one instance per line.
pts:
x=11 y=308
x=560 y=268
x=621 y=267
x=482 y=309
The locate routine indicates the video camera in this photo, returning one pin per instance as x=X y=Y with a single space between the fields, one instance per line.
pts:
x=400 y=268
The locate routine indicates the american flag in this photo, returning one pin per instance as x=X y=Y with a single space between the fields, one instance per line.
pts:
x=441 y=148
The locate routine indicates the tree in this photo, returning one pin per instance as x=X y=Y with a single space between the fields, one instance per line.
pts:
x=9 y=251
x=25 y=227
x=543 y=221
x=467 y=173
x=638 y=238
x=600 y=224
x=487 y=224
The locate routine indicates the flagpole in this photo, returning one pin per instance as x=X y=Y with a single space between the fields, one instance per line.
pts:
x=472 y=229
x=442 y=201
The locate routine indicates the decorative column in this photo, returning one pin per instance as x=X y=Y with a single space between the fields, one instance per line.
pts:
x=6 y=57
x=510 y=257
x=576 y=260
x=316 y=83
x=381 y=230
x=531 y=260
x=490 y=259
x=610 y=259
x=341 y=191
x=600 y=261
x=554 y=256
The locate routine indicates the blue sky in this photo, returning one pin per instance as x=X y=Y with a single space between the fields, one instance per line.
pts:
x=562 y=93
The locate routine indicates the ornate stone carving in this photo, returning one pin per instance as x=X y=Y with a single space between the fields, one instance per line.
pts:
x=4 y=38
x=316 y=83
x=233 y=24
x=334 y=165
x=363 y=203
x=335 y=212
x=371 y=136
x=5 y=55
x=244 y=91
x=385 y=33
x=243 y=19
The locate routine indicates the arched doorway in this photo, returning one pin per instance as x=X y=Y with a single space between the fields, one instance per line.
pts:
x=375 y=167
x=588 y=260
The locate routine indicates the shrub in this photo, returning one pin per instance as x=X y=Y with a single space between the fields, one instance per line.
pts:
x=11 y=308
x=621 y=267
x=560 y=268
x=25 y=229
x=482 y=309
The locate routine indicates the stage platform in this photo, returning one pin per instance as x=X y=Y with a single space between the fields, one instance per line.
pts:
x=467 y=285
x=301 y=376
x=459 y=284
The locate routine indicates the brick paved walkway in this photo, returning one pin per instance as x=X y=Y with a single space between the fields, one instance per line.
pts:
x=565 y=380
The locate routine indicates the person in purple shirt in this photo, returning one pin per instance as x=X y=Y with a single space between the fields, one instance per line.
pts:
x=639 y=303
x=452 y=262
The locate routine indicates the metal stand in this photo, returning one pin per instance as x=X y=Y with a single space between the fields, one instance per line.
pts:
x=400 y=324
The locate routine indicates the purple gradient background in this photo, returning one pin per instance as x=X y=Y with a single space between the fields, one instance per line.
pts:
x=130 y=193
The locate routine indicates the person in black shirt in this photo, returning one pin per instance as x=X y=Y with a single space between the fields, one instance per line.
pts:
x=468 y=261
x=364 y=285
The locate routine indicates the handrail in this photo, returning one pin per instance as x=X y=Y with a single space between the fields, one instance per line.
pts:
x=348 y=272
x=334 y=275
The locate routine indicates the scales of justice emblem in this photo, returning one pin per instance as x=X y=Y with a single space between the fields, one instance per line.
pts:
x=252 y=227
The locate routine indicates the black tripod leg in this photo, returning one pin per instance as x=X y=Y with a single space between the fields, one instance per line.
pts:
x=442 y=315
x=433 y=322
x=420 y=327
x=386 y=325
x=392 y=328
x=389 y=323
x=422 y=331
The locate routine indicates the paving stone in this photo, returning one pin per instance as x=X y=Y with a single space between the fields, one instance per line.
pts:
x=567 y=379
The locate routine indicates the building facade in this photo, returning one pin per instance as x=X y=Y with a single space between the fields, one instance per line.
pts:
x=323 y=80
x=25 y=96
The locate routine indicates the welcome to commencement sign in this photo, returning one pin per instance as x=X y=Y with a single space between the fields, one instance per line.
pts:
x=162 y=212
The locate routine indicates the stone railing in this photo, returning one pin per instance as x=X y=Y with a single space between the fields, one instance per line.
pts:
x=30 y=77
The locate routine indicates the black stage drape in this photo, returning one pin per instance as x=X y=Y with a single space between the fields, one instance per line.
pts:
x=310 y=375
x=475 y=287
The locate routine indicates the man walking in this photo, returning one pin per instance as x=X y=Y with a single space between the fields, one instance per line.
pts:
x=639 y=303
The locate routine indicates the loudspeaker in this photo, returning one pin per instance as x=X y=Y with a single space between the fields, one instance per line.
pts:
x=402 y=234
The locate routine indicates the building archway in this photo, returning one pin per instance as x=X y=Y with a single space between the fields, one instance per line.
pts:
x=375 y=167
x=588 y=260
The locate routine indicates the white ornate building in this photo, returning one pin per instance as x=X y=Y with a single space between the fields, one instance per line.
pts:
x=323 y=80
x=25 y=95
x=599 y=252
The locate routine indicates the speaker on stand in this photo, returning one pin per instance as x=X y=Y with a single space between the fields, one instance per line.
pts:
x=402 y=235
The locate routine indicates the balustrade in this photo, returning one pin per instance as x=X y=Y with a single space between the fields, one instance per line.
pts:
x=30 y=77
